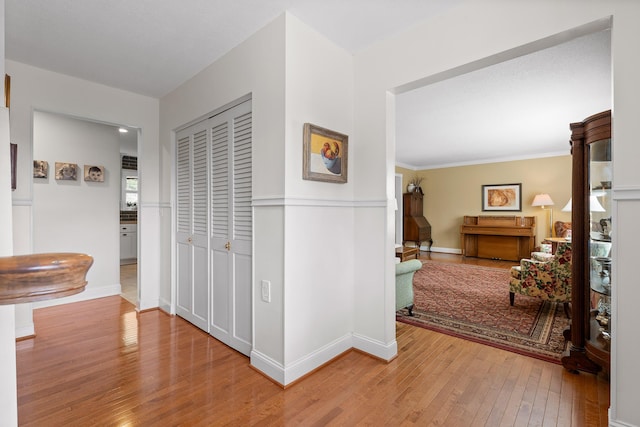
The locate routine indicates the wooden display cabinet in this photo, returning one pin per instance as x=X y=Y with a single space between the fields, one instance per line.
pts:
x=591 y=280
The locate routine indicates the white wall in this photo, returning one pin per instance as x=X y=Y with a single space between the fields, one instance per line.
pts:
x=303 y=230
x=319 y=216
x=433 y=51
x=38 y=89
x=8 y=393
x=129 y=142
x=78 y=216
x=33 y=88
x=254 y=67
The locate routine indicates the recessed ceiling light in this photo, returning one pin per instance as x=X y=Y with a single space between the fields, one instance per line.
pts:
x=123 y=130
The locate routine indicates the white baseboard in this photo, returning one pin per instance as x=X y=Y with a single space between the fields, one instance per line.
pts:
x=267 y=366
x=87 y=294
x=425 y=248
x=286 y=375
x=443 y=250
x=25 y=331
x=165 y=306
x=616 y=423
x=301 y=367
x=375 y=348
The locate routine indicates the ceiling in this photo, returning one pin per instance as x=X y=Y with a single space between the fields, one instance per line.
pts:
x=152 y=46
x=517 y=109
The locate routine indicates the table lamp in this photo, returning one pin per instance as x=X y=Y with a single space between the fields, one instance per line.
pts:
x=594 y=205
x=543 y=200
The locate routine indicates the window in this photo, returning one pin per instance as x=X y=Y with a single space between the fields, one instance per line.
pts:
x=129 y=190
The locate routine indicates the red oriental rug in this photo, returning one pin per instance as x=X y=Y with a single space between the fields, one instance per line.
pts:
x=472 y=302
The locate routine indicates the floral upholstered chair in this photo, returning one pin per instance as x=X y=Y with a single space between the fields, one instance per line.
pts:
x=404 y=284
x=562 y=228
x=548 y=280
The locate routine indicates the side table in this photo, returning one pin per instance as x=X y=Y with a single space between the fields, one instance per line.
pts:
x=405 y=253
x=554 y=242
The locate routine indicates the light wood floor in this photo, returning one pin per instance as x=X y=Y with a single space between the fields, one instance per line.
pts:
x=99 y=363
x=129 y=282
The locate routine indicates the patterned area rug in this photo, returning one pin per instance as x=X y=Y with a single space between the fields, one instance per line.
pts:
x=472 y=302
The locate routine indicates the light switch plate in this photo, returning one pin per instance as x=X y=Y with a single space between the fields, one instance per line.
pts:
x=266 y=290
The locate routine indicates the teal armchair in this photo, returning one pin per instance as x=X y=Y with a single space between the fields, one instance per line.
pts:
x=404 y=283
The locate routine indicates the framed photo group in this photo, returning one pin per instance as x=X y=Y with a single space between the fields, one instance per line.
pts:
x=68 y=171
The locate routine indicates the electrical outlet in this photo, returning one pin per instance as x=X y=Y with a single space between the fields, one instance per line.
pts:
x=266 y=291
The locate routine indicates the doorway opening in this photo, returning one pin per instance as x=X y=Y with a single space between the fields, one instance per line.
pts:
x=77 y=211
x=129 y=196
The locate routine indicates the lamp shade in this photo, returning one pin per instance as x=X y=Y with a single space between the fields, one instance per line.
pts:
x=542 y=200
x=594 y=205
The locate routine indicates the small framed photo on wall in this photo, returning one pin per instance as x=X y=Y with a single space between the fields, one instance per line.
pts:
x=94 y=173
x=66 y=171
x=40 y=169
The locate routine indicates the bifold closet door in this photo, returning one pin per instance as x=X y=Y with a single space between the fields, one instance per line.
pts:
x=214 y=226
x=231 y=227
x=192 y=237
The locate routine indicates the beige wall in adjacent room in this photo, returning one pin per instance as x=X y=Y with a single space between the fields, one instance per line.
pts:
x=451 y=193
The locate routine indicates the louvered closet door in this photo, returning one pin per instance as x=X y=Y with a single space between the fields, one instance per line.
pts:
x=231 y=227
x=192 y=300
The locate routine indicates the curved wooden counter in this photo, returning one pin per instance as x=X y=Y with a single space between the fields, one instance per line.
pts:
x=37 y=277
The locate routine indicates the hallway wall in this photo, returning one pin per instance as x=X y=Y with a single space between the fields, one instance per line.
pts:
x=78 y=215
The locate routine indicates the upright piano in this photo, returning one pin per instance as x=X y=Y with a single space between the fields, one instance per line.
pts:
x=505 y=237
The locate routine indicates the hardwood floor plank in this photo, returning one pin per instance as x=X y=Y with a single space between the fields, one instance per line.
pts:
x=516 y=395
x=99 y=363
x=569 y=386
x=494 y=409
x=475 y=403
x=528 y=395
x=552 y=407
x=496 y=378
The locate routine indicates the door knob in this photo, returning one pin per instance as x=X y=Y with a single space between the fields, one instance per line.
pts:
x=227 y=246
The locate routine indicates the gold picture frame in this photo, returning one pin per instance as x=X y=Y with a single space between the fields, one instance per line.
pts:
x=325 y=155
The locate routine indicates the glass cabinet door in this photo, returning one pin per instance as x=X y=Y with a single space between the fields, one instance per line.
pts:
x=600 y=237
